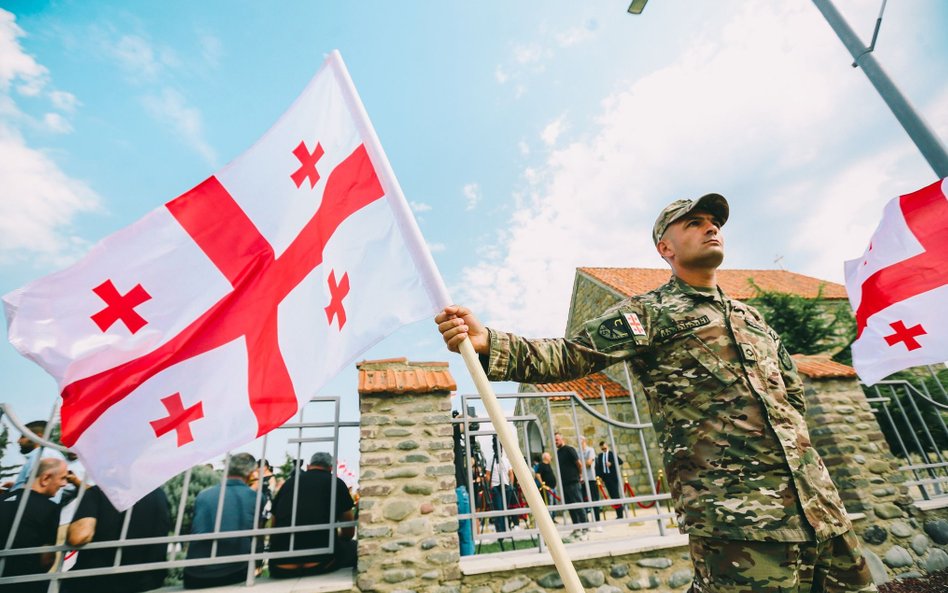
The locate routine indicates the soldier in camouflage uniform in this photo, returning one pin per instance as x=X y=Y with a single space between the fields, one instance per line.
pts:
x=727 y=404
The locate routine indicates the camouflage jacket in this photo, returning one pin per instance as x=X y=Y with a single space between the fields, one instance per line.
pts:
x=726 y=402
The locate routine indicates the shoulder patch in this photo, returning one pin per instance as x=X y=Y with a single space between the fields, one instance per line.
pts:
x=682 y=325
x=785 y=359
x=616 y=329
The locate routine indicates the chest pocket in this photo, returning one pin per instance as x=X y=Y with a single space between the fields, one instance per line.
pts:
x=689 y=375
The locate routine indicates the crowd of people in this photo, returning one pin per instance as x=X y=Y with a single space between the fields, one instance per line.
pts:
x=50 y=516
x=585 y=475
x=581 y=472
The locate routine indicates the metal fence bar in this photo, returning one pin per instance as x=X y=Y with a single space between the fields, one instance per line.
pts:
x=933 y=461
x=261 y=483
x=219 y=513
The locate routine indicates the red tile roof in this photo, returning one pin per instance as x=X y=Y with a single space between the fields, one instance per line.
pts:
x=822 y=367
x=586 y=388
x=633 y=281
x=398 y=375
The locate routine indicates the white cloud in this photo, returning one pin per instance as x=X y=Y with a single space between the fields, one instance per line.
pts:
x=137 y=57
x=419 y=207
x=64 y=101
x=523 y=147
x=436 y=247
x=57 y=124
x=472 y=195
x=742 y=108
x=211 y=49
x=16 y=66
x=553 y=130
x=170 y=106
x=38 y=201
x=500 y=75
x=151 y=66
x=529 y=54
x=577 y=35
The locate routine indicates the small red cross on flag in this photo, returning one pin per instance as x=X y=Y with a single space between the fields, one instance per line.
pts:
x=899 y=287
x=263 y=281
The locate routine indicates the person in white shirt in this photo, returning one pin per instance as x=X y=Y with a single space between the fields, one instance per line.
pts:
x=591 y=490
x=501 y=489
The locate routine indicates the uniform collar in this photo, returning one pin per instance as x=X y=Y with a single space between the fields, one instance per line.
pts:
x=683 y=287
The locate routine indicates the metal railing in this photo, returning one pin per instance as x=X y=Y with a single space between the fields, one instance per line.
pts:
x=913 y=422
x=300 y=435
x=493 y=521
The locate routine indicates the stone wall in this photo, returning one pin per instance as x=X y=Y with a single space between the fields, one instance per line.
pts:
x=659 y=571
x=408 y=523
x=898 y=538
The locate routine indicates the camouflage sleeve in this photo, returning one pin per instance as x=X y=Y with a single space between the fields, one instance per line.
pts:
x=547 y=360
x=792 y=380
x=788 y=370
x=551 y=360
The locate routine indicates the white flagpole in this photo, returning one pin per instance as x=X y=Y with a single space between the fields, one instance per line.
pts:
x=439 y=296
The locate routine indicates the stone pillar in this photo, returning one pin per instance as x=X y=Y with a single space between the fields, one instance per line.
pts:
x=407 y=509
x=846 y=433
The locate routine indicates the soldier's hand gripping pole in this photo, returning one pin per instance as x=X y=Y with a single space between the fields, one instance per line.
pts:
x=523 y=473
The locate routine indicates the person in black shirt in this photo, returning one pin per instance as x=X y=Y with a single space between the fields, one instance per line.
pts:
x=571 y=468
x=37 y=526
x=313 y=508
x=96 y=520
x=545 y=473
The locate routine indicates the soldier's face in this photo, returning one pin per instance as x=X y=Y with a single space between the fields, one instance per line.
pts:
x=694 y=241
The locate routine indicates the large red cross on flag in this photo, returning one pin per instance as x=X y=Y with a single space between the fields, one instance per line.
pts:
x=899 y=287
x=211 y=320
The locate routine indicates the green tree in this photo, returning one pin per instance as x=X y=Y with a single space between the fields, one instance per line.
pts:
x=806 y=326
x=202 y=477
x=287 y=468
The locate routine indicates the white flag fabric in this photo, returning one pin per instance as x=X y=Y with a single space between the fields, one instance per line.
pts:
x=211 y=320
x=899 y=287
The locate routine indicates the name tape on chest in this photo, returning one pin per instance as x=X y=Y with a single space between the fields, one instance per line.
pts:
x=681 y=326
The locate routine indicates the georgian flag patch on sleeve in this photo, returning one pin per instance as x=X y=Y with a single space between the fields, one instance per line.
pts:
x=635 y=326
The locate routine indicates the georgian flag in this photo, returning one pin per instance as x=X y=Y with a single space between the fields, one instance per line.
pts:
x=207 y=323
x=899 y=287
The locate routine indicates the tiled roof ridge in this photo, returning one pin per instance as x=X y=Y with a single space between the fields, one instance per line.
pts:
x=586 y=387
x=631 y=281
x=400 y=376
x=821 y=366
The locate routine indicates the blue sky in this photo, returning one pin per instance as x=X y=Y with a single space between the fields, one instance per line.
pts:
x=530 y=139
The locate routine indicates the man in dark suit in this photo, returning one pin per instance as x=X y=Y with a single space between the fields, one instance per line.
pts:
x=607 y=468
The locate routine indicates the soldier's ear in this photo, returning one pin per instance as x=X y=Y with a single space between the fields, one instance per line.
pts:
x=664 y=248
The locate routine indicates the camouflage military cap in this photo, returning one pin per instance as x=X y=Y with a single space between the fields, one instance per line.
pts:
x=713 y=203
